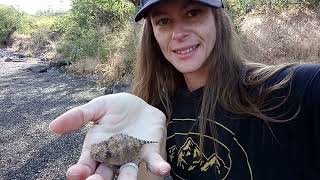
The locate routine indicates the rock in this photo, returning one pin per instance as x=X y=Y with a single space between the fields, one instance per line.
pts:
x=108 y=89
x=7 y=59
x=19 y=55
x=38 y=69
x=55 y=70
x=59 y=64
x=43 y=70
x=5 y=86
x=43 y=59
x=19 y=60
x=4 y=53
x=117 y=88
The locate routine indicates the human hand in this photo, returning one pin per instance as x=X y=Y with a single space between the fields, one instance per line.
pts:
x=114 y=114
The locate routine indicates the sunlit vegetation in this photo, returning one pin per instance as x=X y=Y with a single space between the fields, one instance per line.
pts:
x=102 y=32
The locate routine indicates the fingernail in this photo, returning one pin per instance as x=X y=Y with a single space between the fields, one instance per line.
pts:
x=164 y=172
x=73 y=176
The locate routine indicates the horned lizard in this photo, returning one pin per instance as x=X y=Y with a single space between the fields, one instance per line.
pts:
x=118 y=150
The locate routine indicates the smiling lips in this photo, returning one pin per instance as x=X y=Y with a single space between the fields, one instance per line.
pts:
x=184 y=51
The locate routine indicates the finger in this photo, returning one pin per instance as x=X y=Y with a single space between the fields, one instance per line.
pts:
x=85 y=166
x=128 y=172
x=96 y=177
x=69 y=121
x=77 y=117
x=78 y=172
x=104 y=171
x=156 y=164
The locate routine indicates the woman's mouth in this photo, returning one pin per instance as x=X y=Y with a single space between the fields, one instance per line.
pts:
x=186 y=52
x=183 y=51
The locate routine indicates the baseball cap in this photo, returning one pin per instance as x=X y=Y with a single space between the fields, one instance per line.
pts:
x=145 y=5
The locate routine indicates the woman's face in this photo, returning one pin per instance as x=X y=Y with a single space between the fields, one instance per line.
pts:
x=185 y=32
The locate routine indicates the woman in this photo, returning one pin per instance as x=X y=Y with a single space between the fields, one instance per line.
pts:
x=226 y=118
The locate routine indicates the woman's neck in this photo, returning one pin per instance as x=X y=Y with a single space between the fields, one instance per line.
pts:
x=196 y=80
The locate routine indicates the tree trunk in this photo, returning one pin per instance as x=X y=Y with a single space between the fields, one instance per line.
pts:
x=8 y=40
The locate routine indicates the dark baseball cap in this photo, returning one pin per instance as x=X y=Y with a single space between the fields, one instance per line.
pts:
x=145 y=5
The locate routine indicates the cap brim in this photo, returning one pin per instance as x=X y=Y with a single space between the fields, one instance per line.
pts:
x=142 y=12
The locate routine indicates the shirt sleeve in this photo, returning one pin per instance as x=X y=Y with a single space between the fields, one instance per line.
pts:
x=309 y=124
x=312 y=101
x=311 y=97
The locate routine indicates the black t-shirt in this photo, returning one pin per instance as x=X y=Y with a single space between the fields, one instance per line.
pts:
x=248 y=147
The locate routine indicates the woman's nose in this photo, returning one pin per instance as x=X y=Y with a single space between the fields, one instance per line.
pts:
x=179 y=33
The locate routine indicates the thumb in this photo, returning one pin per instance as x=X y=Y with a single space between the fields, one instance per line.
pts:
x=156 y=164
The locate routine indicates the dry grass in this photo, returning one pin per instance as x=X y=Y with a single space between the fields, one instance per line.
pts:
x=41 y=43
x=87 y=66
x=118 y=66
x=115 y=70
x=21 y=42
x=112 y=69
x=293 y=36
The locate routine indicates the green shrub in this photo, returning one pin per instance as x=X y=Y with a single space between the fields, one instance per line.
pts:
x=9 y=22
x=82 y=43
x=97 y=13
x=31 y=23
x=88 y=26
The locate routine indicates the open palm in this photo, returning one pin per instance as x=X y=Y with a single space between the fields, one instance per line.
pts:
x=114 y=114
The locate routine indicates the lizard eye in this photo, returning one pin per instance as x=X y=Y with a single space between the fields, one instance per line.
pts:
x=107 y=154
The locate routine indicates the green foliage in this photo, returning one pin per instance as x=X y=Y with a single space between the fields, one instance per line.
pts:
x=130 y=51
x=82 y=43
x=123 y=41
x=9 y=21
x=235 y=7
x=97 y=13
x=239 y=8
x=31 y=24
x=87 y=26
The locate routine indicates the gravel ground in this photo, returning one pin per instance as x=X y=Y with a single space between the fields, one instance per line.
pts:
x=29 y=101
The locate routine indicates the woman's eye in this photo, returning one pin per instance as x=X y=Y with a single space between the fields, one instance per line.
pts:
x=194 y=12
x=163 y=21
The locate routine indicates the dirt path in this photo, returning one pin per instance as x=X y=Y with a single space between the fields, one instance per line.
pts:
x=29 y=101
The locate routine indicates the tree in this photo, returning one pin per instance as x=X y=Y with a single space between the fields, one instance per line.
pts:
x=9 y=23
x=86 y=26
x=98 y=13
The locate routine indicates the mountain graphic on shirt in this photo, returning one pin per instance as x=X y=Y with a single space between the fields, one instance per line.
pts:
x=190 y=159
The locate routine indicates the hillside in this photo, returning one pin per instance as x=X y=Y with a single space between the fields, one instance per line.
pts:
x=291 y=36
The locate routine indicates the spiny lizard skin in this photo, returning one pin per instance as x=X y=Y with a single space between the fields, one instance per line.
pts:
x=118 y=150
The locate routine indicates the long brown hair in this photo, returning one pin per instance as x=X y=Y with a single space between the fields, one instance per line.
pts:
x=230 y=77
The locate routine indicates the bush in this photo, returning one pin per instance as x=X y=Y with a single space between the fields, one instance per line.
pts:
x=9 y=23
x=88 y=26
x=98 y=13
x=121 y=55
x=82 y=43
x=239 y=8
x=31 y=24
